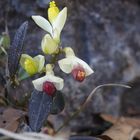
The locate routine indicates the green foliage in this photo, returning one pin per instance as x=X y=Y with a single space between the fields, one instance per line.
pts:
x=4 y=43
x=58 y=103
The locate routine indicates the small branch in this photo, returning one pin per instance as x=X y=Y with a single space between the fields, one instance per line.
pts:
x=25 y=136
x=104 y=85
x=87 y=101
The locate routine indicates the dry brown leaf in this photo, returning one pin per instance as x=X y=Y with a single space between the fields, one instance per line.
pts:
x=137 y=135
x=48 y=130
x=123 y=128
x=9 y=118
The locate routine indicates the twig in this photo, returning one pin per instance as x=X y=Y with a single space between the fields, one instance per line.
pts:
x=87 y=100
x=26 y=136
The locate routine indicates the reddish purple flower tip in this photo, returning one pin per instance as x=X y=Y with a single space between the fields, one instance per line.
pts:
x=79 y=74
x=49 y=88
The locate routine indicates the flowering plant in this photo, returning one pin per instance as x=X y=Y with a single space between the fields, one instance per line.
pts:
x=46 y=97
x=47 y=86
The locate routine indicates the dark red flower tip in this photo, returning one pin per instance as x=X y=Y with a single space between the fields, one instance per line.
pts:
x=49 y=88
x=78 y=73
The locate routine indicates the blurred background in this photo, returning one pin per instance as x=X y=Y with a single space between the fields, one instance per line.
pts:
x=105 y=34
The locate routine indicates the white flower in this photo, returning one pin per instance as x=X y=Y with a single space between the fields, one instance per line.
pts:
x=49 y=77
x=54 y=29
x=71 y=62
x=74 y=65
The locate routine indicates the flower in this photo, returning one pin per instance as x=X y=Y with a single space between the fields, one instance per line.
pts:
x=49 y=82
x=54 y=27
x=32 y=65
x=72 y=64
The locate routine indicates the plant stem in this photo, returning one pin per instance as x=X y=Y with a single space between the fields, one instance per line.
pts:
x=87 y=101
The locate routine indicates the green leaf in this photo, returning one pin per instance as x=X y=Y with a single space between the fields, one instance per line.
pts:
x=39 y=109
x=58 y=103
x=22 y=74
x=5 y=41
x=3 y=50
x=15 y=50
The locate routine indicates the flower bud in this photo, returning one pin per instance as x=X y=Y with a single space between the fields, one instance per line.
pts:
x=32 y=65
x=53 y=12
x=48 y=44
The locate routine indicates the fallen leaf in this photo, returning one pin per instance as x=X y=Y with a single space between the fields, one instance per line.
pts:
x=123 y=128
x=10 y=118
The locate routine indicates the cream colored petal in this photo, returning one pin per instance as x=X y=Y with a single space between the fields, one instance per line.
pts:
x=23 y=58
x=60 y=20
x=40 y=61
x=86 y=67
x=43 y=23
x=56 y=35
x=58 y=82
x=66 y=65
x=49 y=46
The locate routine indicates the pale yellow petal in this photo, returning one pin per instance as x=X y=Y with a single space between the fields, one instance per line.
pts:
x=66 y=65
x=40 y=61
x=49 y=46
x=23 y=58
x=56 y=36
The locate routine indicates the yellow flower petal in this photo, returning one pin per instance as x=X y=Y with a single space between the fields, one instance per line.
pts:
x=49 y=46
x=49 y=69
x=23 y=58
x=53 y=12
x=28 y=64
x=32 y=65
